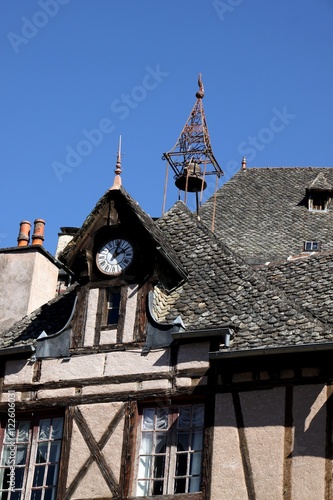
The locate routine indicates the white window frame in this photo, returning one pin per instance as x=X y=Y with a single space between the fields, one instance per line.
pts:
x=311 y=244
x=31 y=444
x=147 y=460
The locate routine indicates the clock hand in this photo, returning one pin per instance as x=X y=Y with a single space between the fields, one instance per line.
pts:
x=117 y=251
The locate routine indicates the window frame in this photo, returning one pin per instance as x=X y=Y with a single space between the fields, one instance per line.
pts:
x=312 y=243
x=319 y=200
x=171 y=453
x=31 y=458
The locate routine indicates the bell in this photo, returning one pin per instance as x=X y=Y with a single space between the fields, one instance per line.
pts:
x=191 y=179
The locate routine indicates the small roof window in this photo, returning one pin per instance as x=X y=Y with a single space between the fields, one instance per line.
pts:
x=311 y=246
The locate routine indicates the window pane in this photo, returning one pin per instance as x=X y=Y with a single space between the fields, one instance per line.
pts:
x=144 y=467
x=158 y=488
x=142 y=489
x=41 y=453
x=197 y=440
x=36 y=495
x=159 y=466
x=44 y=429
x=14 y=496
x=184 y=419
x=181 y=464
x=19 y=475
x=162 y=418
x=57 y=428
x=21 y=455
x=146 y=443
x=183 y=441
x=194 y=484
x=55 y=451
x=198 y=416
x=180 y=485
x=148 y=418
x=23 y=432
x=195 y=464
x=49 y=494
x=160 y=446
x=39 y=475
x=51 y=475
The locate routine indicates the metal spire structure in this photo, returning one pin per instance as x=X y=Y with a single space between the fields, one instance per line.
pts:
x=117 y=171
x=192 y=158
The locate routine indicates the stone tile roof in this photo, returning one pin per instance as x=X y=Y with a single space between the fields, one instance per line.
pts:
x=262 y=214
x=307 y=281
x=223 y=289
x=50 y=317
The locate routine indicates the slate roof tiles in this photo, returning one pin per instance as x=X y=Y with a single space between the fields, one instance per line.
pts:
x=262 y=213
x=223 y=289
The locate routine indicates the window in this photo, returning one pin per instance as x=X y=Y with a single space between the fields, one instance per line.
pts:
x=311 y=246
x=318 y=200
x=33 y=449
x=170 y=453
x=113 y=305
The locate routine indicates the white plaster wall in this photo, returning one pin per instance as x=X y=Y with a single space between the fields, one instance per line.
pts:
x=193 y=357
x=27 y=281
x=134 y=363
x=78 y=454
x=18 y=371
x=130 y=313
x=89 y=332
x=108 y=337
x=92 y=485
x=43 y=283
x=263 y=414
x=308 y=463
x=98 y=418
x=228 y=482
x=75 y=368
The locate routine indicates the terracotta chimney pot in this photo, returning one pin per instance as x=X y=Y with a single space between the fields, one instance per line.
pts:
x=244 y=163
x=24 y=234
x=38 y=236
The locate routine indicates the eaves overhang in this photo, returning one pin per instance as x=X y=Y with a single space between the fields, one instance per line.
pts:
x=226 y=332
x=17 y=350
x=269 y=351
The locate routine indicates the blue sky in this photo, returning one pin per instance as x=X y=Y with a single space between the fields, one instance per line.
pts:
x=78 y=73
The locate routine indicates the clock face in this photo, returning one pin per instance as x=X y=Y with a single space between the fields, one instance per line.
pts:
x=114 y=257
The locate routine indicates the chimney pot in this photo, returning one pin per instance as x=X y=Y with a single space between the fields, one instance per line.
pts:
x=244 y=163
x=24 y=234
x=38 y=236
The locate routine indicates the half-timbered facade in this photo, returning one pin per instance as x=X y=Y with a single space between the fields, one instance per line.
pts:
x=171 y=360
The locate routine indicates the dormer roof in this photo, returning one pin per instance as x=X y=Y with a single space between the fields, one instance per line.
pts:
x=116 y=207
x=320 y=183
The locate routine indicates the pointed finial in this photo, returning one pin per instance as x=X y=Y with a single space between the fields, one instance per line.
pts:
x=200 y=94
x=117 y=171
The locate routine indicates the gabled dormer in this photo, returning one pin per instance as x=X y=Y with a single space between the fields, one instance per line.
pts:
x=319 y=193
x=117 y=256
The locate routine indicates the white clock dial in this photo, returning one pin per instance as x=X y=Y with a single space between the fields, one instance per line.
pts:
x=115 y=256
